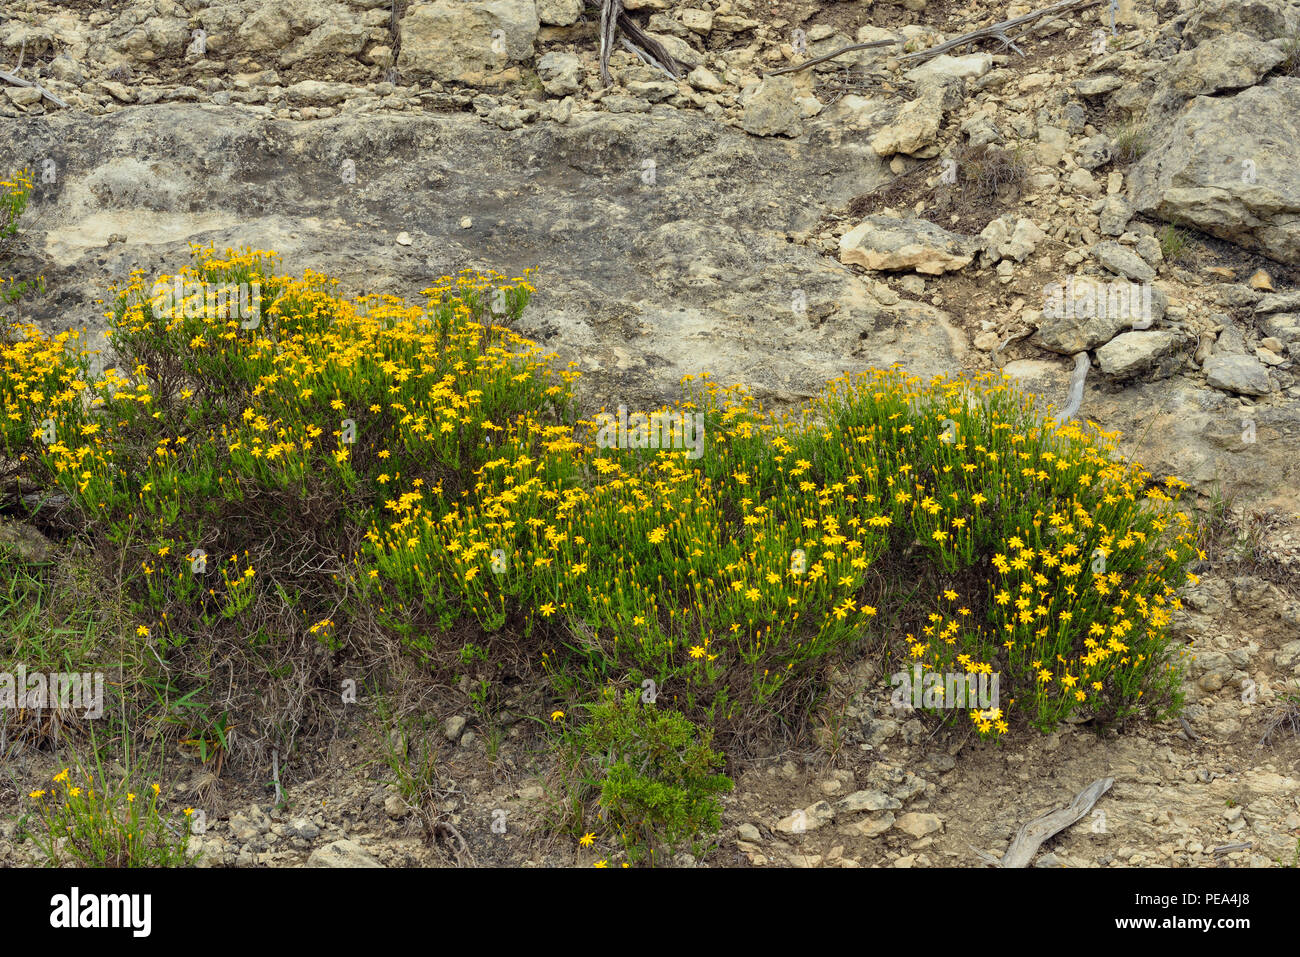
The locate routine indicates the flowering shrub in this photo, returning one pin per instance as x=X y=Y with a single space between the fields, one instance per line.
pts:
x=420 y=469
x=14 y=195
x=87 y=821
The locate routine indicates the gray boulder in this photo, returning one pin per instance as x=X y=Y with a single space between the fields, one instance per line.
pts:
x=466 y=40
x=1235 y=372
x=1123 y=261
x=1085 y=313
x=342 y=853
x=1226 y=166
x=1264 y=19
x=1227 y=62
x=560 y=73
x=1155 y=355
x=771 y=110
x=886 y=243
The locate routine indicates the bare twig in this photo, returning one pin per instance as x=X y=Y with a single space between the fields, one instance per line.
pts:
x=998 y=30
x=656 y=50
x=831 y=56
x=19 y=81
x=610 y=10
x=1228 y=848
x=647 y=49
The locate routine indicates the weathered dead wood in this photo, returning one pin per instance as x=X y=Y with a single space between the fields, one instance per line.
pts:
x=19 y=81
x=998 y=30
x=658 y=54
x=614 y=18
x=1032 y=835
x=610 y=10
x=831 y=56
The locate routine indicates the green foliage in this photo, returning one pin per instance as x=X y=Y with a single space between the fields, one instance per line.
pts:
x=88 y=818
x=1174 y=243
x=14 y=195
x=652 y=773
x=354 y=471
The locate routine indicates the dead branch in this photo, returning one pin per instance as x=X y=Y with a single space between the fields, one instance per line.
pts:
x=995 y=31
x=610 y=11
x=998 y=30
x=1033 y=834
x=831 y=56
x=650 y=51
x=19 y=81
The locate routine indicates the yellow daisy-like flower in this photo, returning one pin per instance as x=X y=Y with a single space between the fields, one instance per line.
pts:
x=587 y=839
x=557 y=715
x=601 y=864
x=697 y=651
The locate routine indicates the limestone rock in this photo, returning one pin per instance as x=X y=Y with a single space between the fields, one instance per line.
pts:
x=1156 y=355
x=1226 y=167
x=885 y=243
x=342 y=853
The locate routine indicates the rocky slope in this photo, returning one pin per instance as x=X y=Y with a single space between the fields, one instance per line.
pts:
x=774 y=230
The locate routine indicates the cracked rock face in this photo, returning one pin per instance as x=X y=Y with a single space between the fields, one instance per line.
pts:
x=647 y=270
x=701 y=225
x=1226 y=166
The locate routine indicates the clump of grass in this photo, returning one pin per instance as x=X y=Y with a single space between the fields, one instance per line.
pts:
x=1290 y=66
x=990 y=171
x=1285 y=717
x=1175 y=245
x=47 y=628
x=409 y=749
x=1130 y=143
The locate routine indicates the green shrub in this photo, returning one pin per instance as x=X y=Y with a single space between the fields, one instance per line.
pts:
x=370 y=471
x=1174 y=244
x=14 y=195
x=651 y=772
